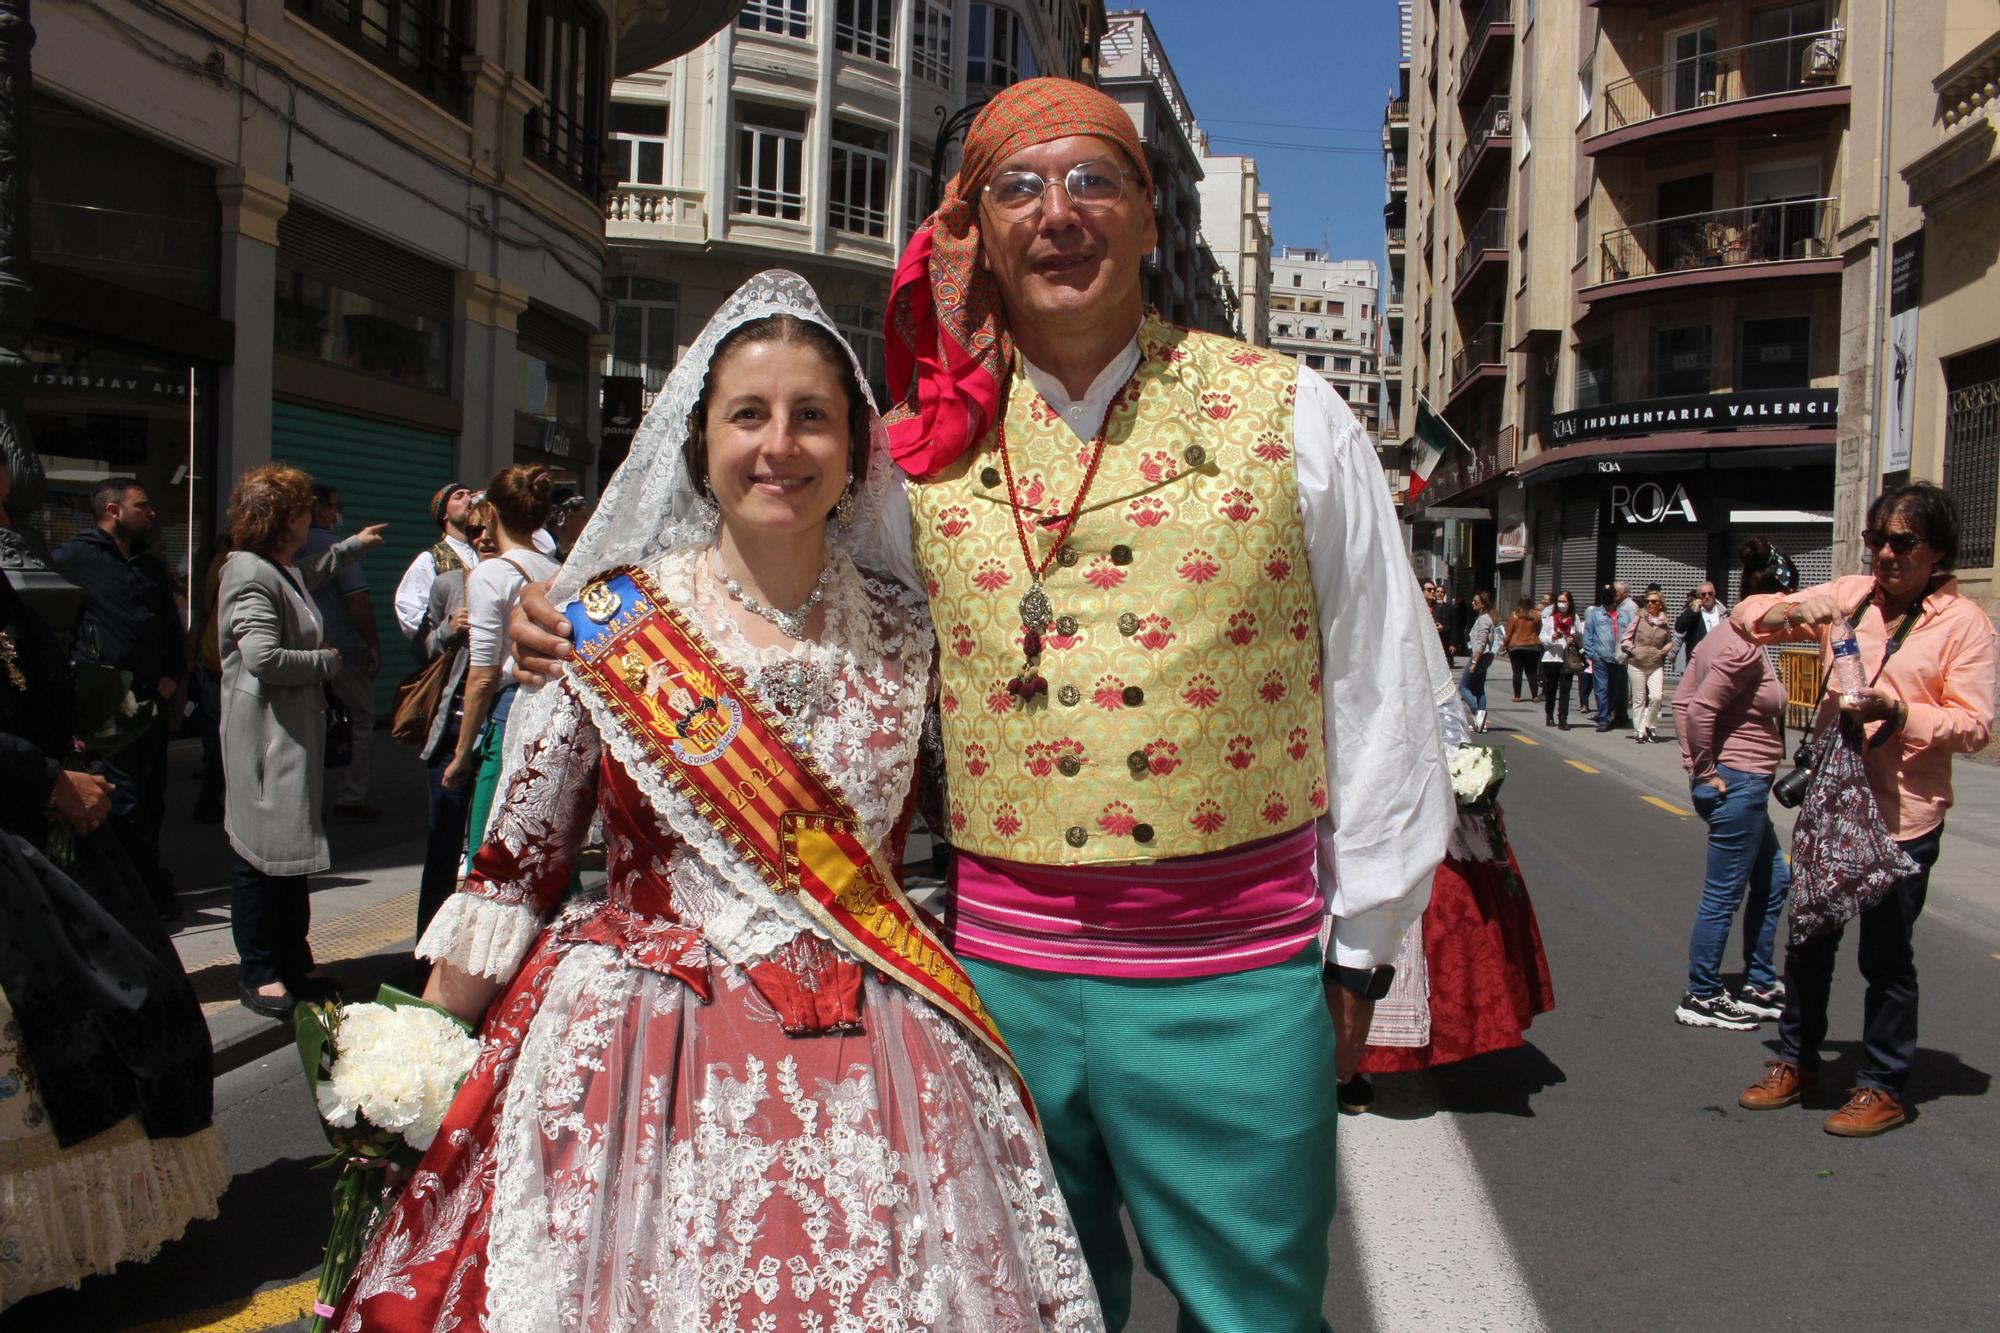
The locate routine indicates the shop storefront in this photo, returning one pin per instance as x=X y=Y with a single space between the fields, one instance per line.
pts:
x=127 y=343
x=550 y=426
x=361 y=379
x=1664 y=491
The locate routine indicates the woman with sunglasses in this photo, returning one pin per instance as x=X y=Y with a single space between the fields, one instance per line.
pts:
x=1929 y=698
x=1729 y=722
x=1646 y=643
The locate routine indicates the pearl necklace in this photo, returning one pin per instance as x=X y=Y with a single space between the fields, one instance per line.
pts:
x=792 y=624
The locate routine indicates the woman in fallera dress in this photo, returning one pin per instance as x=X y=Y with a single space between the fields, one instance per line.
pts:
x=744 y=1088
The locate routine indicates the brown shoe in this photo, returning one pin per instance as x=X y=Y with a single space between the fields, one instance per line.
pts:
x=1782 y=1085
x=1869 y=1111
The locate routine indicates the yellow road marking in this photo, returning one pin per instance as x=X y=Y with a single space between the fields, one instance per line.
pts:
x=1667 y=806
x=1525 y=740
x=1579 y=766
x=278 y=1307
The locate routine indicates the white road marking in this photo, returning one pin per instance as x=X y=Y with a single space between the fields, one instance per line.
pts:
x=1433 y=1252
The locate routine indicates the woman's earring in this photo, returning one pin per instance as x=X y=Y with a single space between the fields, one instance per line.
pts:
x=707 y=510
x=843 y=510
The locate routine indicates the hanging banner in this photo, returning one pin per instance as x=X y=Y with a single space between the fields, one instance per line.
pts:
x=1906 y=284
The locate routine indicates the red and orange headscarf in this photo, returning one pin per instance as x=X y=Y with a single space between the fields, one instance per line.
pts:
x=946 y=327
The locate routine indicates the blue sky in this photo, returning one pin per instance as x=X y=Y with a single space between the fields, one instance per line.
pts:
x=1310 y=74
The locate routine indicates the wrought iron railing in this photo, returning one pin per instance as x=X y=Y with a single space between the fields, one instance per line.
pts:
x=1398 y=112
x=1972 y=465
x=420 y=44
x=1398 y=174
x=1710 y=78
x=563 y=144
x=1496 y=11
x=1398 y=237
x=1481 y=348
x=1487 y=234
x=1774 y=232
x=1495 y=121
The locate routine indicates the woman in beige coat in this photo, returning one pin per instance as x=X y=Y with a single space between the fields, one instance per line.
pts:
x=1648 y=641
x=274 y=669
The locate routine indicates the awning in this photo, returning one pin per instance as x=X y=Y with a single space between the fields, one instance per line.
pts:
x=1682 y=451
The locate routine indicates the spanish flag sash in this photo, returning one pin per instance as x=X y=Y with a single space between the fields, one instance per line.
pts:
x=715 y=742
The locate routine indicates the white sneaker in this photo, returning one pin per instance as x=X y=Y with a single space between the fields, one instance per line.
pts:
x=1714 y=1011
x=1479 y=720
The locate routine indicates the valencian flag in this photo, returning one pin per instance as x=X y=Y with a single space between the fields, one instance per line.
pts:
x=1434 y=439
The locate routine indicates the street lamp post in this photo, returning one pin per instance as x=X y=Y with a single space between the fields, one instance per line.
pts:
x=957 y=123
x=20 y=549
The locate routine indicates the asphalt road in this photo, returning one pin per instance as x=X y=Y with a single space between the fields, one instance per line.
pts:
x=1602 y=1177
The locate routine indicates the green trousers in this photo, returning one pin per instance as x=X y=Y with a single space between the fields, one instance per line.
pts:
x=1205 y=1106
x=485 y=785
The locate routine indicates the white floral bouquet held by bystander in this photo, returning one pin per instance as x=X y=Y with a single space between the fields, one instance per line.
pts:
x=382 y=1076
x=1476 y=774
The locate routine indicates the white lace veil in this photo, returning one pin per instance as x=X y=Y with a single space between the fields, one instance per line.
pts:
x=650 y=505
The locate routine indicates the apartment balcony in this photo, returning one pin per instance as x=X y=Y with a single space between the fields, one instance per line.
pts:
x=1785 y=240
x=1399 y=177
x=1459 y=471
x=1398 y=239
x=1483 y=256
x=1488 y=144
x=1783 y=84
x=1396 y=122
x=1489 y=48
x=1479 y=360
x=655 y=213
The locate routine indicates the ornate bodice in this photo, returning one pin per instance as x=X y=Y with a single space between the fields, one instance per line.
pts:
x=674 y=888
x=1183 y=711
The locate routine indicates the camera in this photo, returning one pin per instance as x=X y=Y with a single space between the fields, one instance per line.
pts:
x=1791 y=789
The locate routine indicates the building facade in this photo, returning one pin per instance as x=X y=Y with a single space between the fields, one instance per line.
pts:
x=1184 y=280
x=1324 y=312
x=1395 y=252
x=1921 y=350
x=806 y=135
x=1236 y=222
x=1633 y=317
x=294 y=233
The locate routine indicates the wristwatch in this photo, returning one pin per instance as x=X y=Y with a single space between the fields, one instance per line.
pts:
x=1368 y=983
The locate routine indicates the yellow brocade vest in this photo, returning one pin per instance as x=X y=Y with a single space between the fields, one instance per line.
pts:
x=1182 y=713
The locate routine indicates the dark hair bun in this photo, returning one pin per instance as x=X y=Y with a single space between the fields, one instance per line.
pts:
x=1754 y=553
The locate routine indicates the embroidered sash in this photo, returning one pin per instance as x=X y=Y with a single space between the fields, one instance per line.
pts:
x=721 y=749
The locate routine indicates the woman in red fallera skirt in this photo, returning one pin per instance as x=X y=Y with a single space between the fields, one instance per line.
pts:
x=1471 y=975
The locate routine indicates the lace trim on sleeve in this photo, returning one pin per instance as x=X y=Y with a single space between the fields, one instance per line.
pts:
x=481 y=935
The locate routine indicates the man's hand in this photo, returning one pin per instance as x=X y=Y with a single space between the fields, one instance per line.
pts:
x=541 y=636
x=1869 y=704
x=1351 y=1017
x=81 y=800
x=1817 y=609
x=461 y=622
x=374 y=658
x=371 y=535
x=167 y=688
x=458 y=772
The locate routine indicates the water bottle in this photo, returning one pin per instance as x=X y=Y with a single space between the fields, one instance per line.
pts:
x=1847 y=679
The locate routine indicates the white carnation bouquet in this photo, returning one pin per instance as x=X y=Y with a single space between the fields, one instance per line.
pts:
x=1476 y=774
x=382 y=1076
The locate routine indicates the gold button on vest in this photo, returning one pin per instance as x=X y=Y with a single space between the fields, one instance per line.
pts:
x=1188 y=594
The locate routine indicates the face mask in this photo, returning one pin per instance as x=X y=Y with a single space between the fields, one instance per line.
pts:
x=1562 y=606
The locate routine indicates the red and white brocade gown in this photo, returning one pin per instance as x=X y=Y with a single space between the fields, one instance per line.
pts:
x=692 y=1110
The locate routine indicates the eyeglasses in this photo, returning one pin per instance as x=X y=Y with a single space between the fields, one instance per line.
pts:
x=1902 y=543
x=1092 y=187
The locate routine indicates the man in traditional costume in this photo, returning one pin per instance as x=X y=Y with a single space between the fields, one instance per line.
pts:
x=1185 y=711
x=1182 y=669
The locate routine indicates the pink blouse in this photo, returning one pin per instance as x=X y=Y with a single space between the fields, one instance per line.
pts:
x=1727 y=709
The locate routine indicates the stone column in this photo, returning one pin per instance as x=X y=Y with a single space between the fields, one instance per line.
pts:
x=252 y=203
x=488 y=309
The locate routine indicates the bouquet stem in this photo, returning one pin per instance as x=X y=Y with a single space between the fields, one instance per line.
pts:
x=356 y=1195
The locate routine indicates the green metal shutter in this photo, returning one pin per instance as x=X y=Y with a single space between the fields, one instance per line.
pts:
x=385 y=474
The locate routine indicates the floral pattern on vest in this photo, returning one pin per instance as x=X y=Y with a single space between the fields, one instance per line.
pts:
x=1182 y=711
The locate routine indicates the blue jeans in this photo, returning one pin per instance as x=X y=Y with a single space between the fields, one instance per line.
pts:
x=1472 y=682
x=1608 y=674
x=445 y=844
x=1742 y=851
